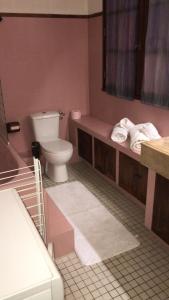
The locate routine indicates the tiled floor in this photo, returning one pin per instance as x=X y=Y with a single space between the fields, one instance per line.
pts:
x=142 y=273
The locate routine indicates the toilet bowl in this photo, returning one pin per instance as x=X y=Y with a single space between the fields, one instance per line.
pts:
x=57 y=153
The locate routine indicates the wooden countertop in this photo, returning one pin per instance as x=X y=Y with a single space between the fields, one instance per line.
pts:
x=161 y=145
x=155 y=155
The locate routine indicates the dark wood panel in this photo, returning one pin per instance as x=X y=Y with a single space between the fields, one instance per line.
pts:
x=65 y=16
x=85 y=145
x=105 y=159
x=160 y=224
x=133 y=177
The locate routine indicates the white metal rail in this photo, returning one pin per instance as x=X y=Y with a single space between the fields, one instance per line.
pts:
x=28 y=184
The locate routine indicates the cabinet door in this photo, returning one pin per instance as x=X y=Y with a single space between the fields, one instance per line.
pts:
x=105 y=159
x=85 y=145
x=160 y=224
x=133 y=177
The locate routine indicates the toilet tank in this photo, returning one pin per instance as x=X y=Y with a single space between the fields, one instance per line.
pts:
x=45 y=126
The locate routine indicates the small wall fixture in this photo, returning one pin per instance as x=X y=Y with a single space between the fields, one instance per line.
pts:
x=13 y=127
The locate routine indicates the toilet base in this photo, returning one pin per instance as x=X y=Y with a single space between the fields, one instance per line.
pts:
x=56 y=173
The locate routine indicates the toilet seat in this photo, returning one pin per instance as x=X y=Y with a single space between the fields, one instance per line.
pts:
x=57 y=146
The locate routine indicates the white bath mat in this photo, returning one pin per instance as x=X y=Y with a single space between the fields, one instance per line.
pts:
x=98 y=234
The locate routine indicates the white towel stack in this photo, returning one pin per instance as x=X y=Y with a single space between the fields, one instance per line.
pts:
x=151 y=131
x=136 y=138
x=121 y=130
x=141 y=133
x=138 y=133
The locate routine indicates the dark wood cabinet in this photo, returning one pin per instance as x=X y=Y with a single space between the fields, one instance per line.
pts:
x=85 y=145
x=105 y=159
x=133 y=177
x=160 y=223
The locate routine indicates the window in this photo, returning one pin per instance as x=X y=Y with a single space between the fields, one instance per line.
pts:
x=155 y=89
x=136 y=50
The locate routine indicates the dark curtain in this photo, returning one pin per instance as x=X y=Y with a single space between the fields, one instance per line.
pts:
x=120 y=47
x=156 y=69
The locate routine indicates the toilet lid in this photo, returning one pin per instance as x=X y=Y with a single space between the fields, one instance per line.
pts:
x=57 y=146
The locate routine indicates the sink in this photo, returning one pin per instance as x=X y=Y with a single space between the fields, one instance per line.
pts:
x=155 y=155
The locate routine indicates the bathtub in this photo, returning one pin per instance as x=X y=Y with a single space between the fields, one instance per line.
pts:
x=16 y=174
x=10 y=165
x=10 y=160
x=29 y=273
x=58 y=230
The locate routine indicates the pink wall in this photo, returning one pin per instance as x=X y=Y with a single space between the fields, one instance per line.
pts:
x=43 y=66
x=111 y=109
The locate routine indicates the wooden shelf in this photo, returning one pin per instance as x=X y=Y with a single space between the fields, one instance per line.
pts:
x=96 y=147
x=130 y=174
x=103 y=131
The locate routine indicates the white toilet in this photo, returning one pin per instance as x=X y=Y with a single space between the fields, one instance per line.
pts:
x=57 y=152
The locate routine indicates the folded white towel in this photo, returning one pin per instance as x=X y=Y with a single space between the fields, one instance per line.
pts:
x=126 y=123
x=141 y=133
x=136 y=138
x=119 y=134
x=150 y=131
x=121 y=130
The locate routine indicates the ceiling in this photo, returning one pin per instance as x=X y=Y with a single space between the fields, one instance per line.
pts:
x=69 y=7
